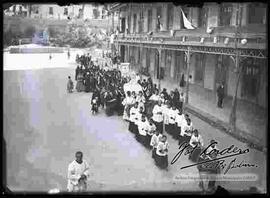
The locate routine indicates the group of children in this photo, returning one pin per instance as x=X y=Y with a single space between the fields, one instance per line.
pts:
x=148 y=119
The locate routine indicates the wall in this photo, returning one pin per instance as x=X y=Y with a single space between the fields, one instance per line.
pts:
x=195 y=16
x=213 y=15
x=209 y=74
x=263 y=81
x=176 y=19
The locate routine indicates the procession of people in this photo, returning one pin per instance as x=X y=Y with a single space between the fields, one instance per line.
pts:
x=149 y=112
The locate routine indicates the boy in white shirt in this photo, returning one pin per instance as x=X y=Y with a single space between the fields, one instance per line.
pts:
x=154 y=142
x=172 y=126
x=143 y=129
x=196 y=142
x=186 y=132
x=166 y=109
x=180 y=121
x=155 y=96
x=162 y=153
x=158 y=116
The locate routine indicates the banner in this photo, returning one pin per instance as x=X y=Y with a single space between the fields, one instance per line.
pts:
x=187 y=24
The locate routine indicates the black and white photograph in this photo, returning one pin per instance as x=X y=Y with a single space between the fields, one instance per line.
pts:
x=131 y=97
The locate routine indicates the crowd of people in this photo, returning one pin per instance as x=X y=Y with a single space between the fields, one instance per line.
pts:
x=150 y=112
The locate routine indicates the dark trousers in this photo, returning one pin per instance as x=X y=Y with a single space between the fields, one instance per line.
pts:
x=159 y=126
x=220 y=101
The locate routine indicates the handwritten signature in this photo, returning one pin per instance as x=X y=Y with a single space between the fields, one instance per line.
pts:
x=218 y=162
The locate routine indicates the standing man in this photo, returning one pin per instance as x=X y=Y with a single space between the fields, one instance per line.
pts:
x=78 y=172
x=220 y=95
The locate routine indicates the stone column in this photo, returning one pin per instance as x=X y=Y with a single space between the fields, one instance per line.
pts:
x=131 y=22
x=244 y=20
x=195 y=16
x=173 y=64
x=176 y=18
x=164 y=17
x=213 y=15
x=145 y=22
x=154 y=17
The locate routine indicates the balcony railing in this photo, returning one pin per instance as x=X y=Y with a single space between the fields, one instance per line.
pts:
x=185 y=37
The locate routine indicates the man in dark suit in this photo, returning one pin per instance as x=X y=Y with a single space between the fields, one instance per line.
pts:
x=220 y=95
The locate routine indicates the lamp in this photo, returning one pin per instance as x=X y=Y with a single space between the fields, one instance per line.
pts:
x=226 y=41
x=202 y=40
x=172 y=32
x=209 y=30
x=243 y=41
x=183 y=39
x=215 y=39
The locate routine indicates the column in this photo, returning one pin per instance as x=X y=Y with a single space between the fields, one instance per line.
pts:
x=164 y=17
x=244 y=17
x=154 y=17
x=213 y=15
x=159 y=67
x=188 y=54
x=145 y=23
x=173 y=64
x=176 y=18
x=195 y=16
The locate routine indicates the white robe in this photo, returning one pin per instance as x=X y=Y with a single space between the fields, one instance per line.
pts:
x=75 y=170
x=157 y=117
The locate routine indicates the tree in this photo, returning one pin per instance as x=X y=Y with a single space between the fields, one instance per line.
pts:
x=29 y=31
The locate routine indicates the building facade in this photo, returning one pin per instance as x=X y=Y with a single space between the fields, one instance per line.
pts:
x=54 y=11
x=155 y=40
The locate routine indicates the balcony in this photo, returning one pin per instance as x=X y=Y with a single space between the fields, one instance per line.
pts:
x=255 y=39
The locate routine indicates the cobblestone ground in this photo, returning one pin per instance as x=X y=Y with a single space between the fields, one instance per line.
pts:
x=44 y=126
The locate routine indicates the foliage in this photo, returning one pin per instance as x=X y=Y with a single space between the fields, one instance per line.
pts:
x=29 y=31
x=80 y=37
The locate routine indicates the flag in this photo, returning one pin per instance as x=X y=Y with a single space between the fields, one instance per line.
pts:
x=186 y=23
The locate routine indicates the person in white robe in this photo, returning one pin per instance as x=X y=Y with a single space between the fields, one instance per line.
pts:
x=151 y=128
x=162 y=153
x=158 y=116
x=172 y=113
x=196 y=142
x=78 y=173
x=155 y=97
x=141 y=100
x=180 y=122
x=143 y=129
x=186 y=132
x=154 y=143
x=127 y=102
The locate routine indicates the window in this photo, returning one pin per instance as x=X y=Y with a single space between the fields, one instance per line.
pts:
x=65 y=11
x=170 y=16
x=159 y=17
x=225 y=14
x=134 y=22
x=256 y=13
x=50 y=10
x=141 y=19
x=203 y=15
x=149 y=23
